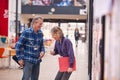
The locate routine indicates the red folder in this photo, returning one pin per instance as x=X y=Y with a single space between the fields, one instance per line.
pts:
x=64 y=64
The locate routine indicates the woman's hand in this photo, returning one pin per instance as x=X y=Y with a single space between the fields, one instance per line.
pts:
x=69 y=70
x=52 y=52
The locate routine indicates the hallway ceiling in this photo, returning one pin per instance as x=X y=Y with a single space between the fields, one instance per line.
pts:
x=25 y=17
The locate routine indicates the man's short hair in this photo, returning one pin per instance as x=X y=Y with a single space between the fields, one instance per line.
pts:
x=36 y=18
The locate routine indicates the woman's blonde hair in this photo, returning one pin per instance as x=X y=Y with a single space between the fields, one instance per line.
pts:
x=57 y=30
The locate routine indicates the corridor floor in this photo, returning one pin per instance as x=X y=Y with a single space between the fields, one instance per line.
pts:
x=49 y=67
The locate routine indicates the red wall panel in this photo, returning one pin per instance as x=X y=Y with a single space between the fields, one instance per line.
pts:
x=4 y=17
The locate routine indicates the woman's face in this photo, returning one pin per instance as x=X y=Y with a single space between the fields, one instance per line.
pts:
x=56 y=36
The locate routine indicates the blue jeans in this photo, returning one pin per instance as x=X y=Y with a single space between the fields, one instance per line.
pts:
x=30 y=71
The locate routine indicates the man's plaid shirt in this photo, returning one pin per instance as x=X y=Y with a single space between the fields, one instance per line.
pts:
x=29 y=46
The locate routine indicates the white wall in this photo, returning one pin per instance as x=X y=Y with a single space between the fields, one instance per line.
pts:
x=12 y=16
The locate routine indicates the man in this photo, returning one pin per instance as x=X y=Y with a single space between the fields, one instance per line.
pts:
x=30 y=50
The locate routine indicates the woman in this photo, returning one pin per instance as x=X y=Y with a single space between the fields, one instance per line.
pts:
x=63 y=47
x=76 y=35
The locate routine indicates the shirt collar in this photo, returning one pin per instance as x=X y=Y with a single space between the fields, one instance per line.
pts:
x=62 y=39
x=31 y=28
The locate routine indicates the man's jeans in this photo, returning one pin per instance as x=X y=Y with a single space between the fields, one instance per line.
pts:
x=30 y=71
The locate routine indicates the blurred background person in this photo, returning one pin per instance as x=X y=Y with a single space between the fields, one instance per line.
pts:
x=65 y=3
x=26 y=2
x=76 y=35
x=41 y=2
x=80 y=3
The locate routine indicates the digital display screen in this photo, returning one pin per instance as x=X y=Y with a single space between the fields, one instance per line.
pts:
x=54 y=2
x=53 y=6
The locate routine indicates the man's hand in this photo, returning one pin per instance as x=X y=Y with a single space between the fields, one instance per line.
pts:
x=42 y=54
x=21 y=62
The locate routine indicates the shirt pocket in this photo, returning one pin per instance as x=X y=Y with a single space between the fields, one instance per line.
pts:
x=30 y=43
x=40 y=42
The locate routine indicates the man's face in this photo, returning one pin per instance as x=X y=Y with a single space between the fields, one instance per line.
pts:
x=38 y=24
